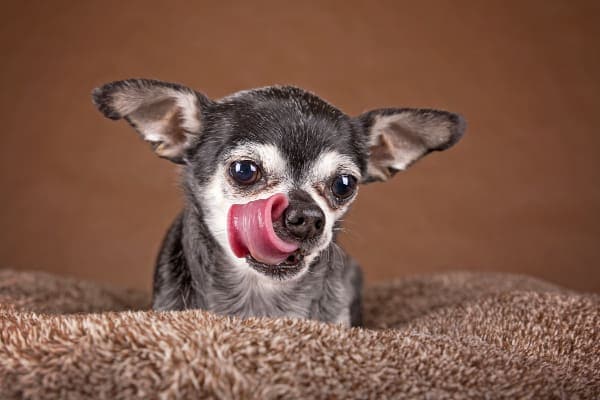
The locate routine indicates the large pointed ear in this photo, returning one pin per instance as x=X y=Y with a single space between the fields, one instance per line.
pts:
x=398 y=137
x=167 y=115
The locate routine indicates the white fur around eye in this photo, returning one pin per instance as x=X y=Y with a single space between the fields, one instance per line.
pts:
x=331 y=163
x=266 y=155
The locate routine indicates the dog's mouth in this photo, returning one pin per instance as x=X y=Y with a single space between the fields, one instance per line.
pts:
x=287 y=269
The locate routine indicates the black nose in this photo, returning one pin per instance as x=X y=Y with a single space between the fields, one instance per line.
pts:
x=304 y=220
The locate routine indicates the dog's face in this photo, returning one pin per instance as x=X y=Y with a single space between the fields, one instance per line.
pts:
x=274 y=169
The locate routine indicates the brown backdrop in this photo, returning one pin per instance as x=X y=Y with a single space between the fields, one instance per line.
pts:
x=82 y=195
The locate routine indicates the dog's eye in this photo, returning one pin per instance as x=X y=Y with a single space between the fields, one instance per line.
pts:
x=343 y=186
x=244 y=172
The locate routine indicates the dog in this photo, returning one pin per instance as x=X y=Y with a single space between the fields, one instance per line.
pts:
x=268 y=174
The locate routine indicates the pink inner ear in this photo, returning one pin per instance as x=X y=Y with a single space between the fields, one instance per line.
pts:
x=250 y=230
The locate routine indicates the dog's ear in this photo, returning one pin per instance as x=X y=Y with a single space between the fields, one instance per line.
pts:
x=167 y=115
x=398 y=137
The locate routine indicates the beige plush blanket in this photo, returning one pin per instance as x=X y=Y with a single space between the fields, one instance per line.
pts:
x=460 y=335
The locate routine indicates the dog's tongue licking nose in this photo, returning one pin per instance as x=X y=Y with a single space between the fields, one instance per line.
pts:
x=250 y=230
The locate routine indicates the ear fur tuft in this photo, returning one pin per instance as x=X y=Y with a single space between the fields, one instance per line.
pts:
x=398 y=137
x=167 y=115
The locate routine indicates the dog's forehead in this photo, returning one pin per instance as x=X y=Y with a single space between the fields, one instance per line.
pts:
x=283 y=97
x=300 y=125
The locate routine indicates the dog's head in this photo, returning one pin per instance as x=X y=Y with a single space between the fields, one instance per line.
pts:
x=274 y=169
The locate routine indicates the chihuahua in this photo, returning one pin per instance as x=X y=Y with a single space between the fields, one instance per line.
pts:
x=268 y=174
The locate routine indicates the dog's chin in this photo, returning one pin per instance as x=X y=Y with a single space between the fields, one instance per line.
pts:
x=286 y=270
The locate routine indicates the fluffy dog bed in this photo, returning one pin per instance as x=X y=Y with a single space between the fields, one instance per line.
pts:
x=442 y=336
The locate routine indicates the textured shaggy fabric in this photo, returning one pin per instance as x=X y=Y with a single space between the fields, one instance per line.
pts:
x=459 y=335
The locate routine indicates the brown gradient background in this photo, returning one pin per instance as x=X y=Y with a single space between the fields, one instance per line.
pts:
x=84 y=196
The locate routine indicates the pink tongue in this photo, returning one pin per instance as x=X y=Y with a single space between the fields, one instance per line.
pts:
x=250 y=230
